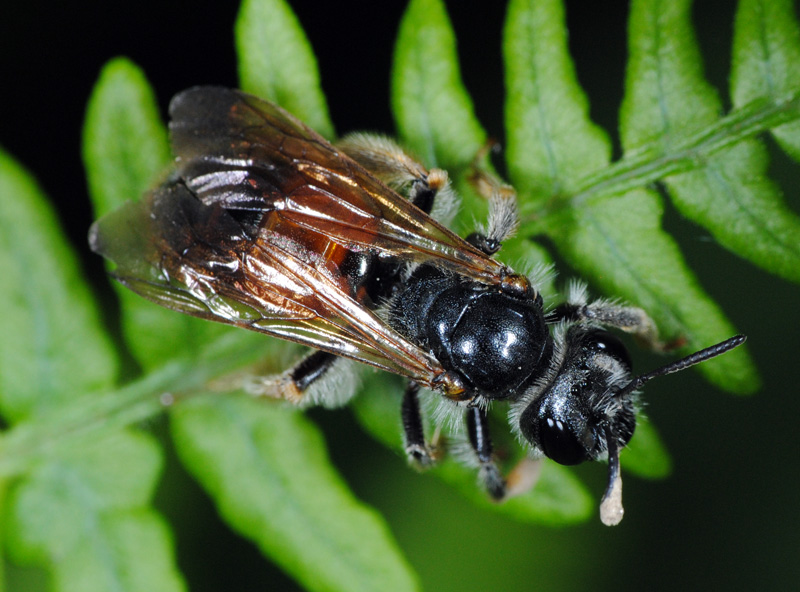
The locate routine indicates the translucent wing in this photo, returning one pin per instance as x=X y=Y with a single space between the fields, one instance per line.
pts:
x=181 y=254
x=244 y=153
x=257 y=225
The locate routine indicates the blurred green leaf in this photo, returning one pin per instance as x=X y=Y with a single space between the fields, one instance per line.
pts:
x=82 y=514
x=277 y=63
x=432 y=108
x=558 y=498
x=645 y=455
x=266 y=468
x=80 y=420
x=78 y=509
x=52 y=345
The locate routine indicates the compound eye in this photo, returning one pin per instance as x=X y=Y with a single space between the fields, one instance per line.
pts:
x=609 y=343
x=560 y=443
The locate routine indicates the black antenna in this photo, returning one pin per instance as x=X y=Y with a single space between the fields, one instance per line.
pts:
x=682 y=364
x=611 y=509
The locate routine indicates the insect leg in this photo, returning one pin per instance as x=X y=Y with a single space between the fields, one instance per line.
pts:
x=503 y=219
x=310 y=369
x=502 y=224
x=630 y=319
x=428 y=190
x=417 y=449
x=478 y=430
x=319 y=378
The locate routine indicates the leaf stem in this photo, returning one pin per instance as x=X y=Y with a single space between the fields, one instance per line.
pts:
x=648 y=166
x=30 y=441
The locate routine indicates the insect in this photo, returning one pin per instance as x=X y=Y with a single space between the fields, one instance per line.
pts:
x=267 y=226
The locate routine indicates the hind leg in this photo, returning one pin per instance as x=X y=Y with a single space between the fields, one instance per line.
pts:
x=320 y=378
x=429 y=190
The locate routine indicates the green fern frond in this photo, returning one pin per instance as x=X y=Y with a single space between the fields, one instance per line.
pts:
x=78 y=478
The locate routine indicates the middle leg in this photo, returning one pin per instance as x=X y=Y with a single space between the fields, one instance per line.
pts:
x=481 y=442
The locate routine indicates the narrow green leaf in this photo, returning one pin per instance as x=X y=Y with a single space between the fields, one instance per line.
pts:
x=276 y=61
x=433 y=110
x=552 y=143
x=266 y=468
x=125 y=146
x=742 y=208
x=766 y=60
x=156 y=335
x=81 y=514
x=132 y=552
x=125 y=150
x=52 y=345
x=557 y=498
x=667 y=98
x=617 y=243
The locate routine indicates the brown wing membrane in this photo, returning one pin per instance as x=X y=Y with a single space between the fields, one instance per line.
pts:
x=244 y=153
x=184 y=255
x=254 y=227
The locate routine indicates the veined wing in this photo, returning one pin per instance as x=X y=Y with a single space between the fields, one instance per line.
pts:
x=199 y=259
x=243 y=153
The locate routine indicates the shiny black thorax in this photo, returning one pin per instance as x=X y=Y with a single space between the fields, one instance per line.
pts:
x=497 y=342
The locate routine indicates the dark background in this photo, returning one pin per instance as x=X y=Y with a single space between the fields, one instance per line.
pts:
x=727 y=518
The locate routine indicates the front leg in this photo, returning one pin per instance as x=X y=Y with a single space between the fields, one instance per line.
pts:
x=630 y=319
x=503 y=220
x=429 y=190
